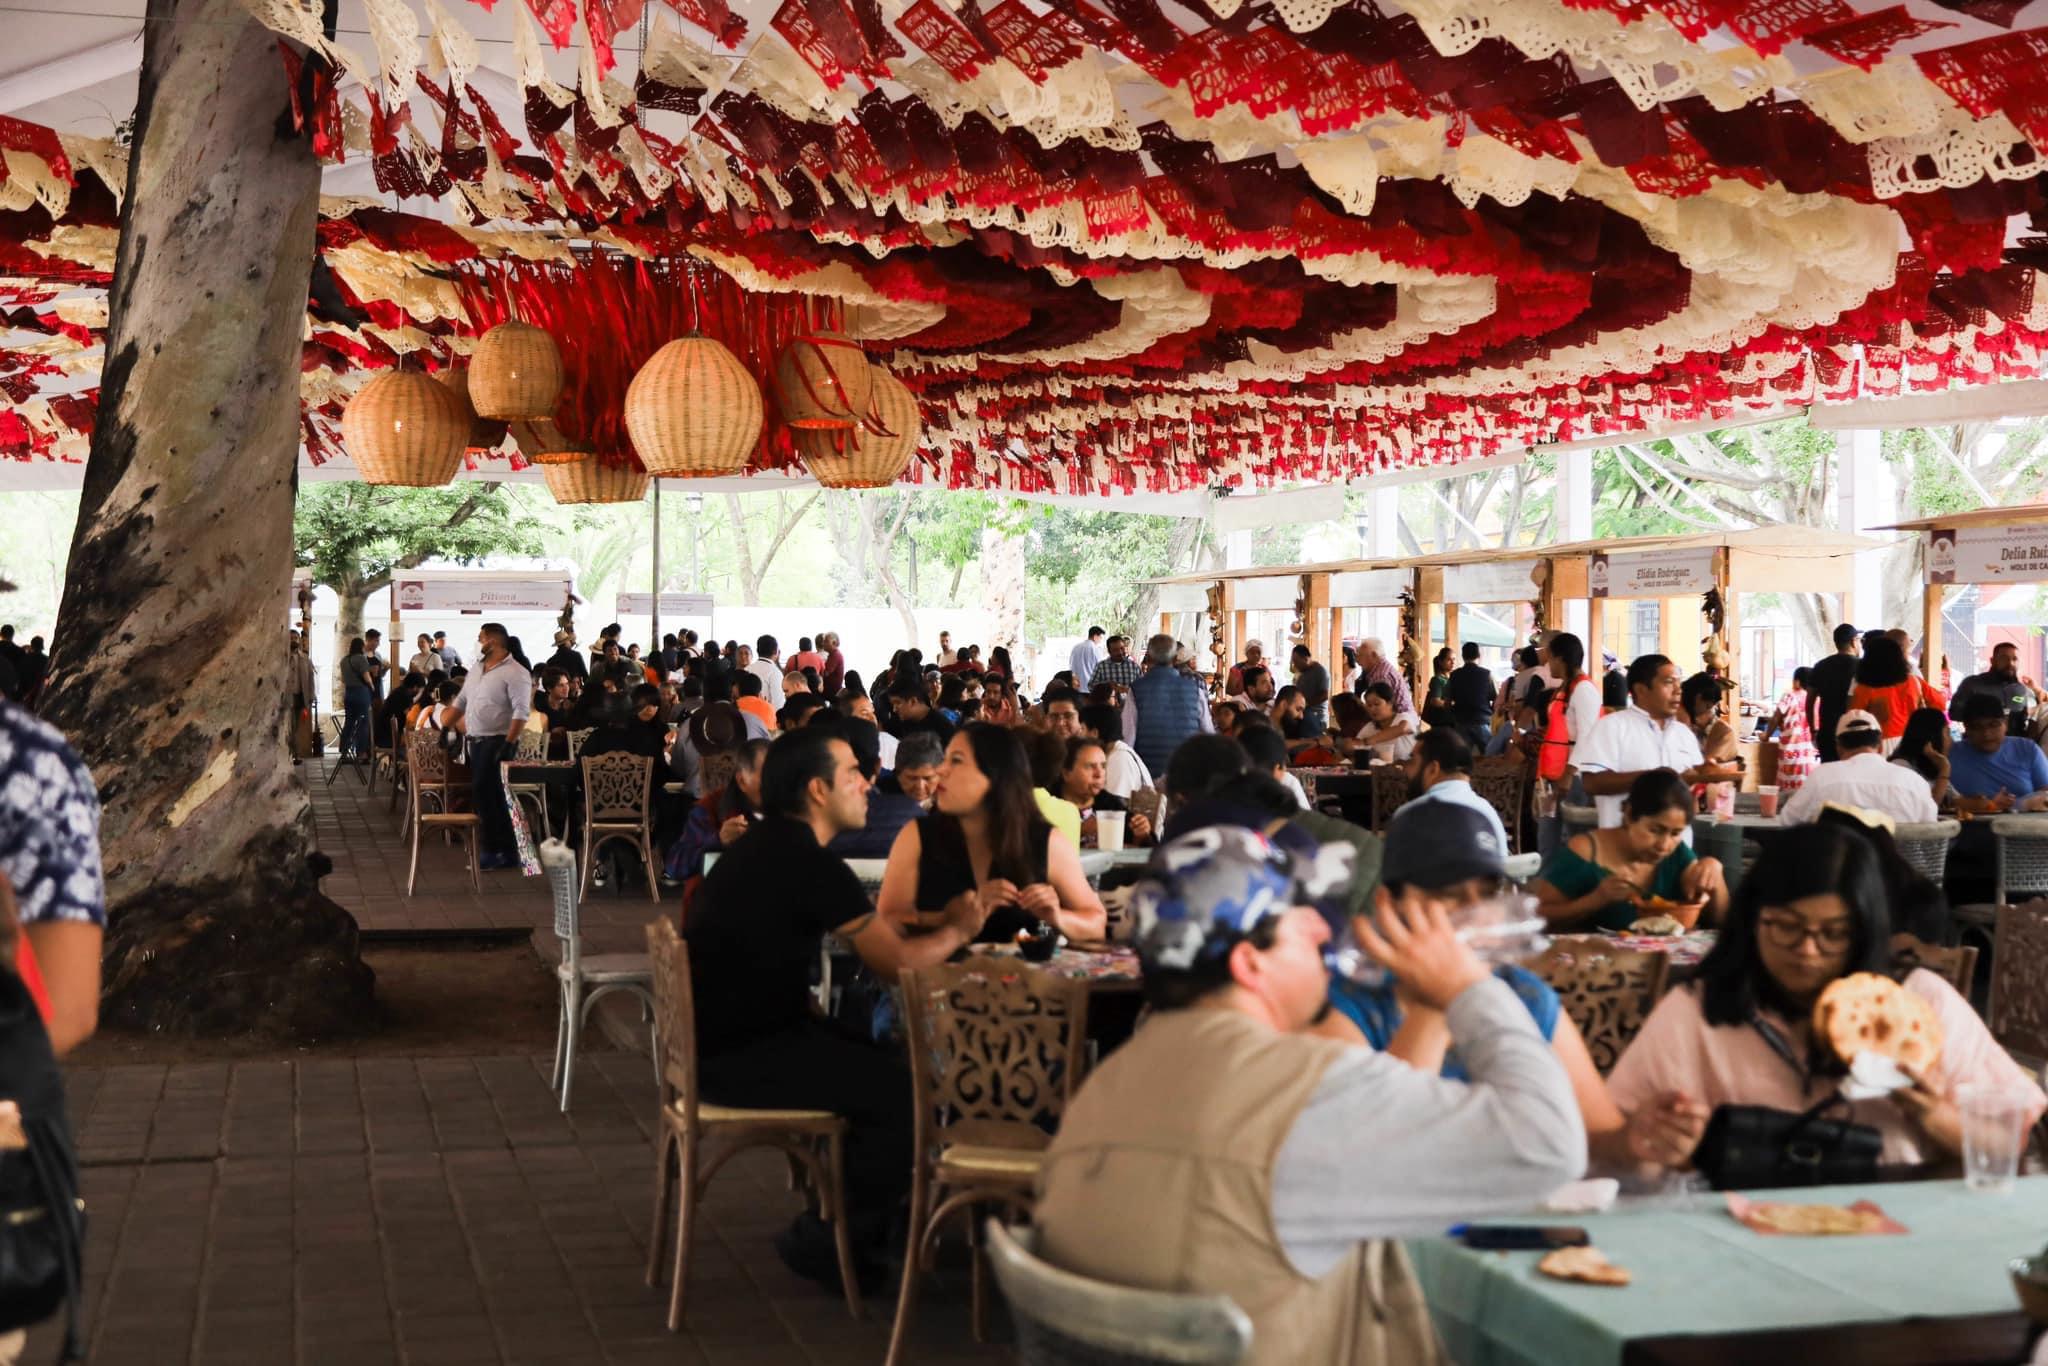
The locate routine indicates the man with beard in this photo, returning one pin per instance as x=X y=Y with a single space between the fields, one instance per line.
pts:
x=2002 y=681
x=1440 y=770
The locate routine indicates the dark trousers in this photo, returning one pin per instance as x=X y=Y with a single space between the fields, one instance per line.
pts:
x=356 y=702
x=817 y=1066
x=487 y=793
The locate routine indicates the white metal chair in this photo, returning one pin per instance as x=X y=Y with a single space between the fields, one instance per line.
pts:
x=1925 y=845
x=1067 y=1320
x=584 y=979
x=532 y=748
x=428 y=780
x=576 y=739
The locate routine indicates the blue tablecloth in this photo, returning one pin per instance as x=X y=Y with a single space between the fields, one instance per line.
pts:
x=1699 y=1271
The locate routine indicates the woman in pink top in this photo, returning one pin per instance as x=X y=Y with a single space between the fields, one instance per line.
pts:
x=1812 y=910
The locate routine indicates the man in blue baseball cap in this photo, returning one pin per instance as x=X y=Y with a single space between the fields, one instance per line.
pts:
x=1225 y=1151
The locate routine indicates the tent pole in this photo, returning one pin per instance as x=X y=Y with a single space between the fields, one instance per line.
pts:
x=654 y=636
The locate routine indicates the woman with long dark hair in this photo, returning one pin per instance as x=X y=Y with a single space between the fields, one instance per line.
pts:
x=1811 y=910
x=985 y=838
x=358 y=695
x=1886 y=686
x=1923 y=747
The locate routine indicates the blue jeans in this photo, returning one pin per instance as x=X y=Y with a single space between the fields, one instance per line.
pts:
x=356 y=702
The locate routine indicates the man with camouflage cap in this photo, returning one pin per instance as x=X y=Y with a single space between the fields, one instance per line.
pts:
x=1224 y=1151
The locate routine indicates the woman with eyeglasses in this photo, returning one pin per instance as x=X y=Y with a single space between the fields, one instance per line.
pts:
x=1810 y=911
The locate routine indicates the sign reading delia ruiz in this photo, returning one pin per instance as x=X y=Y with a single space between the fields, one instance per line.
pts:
x=1652 y=574
x=1987 y=554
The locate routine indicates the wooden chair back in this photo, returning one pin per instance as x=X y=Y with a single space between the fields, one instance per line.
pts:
x=1389 y=790
x=1607 y=990
x=1502 y=780
x=2018 y=1016
x=1958 y=965
x=427 y=768
x=997 y=1047
x=675 y=1017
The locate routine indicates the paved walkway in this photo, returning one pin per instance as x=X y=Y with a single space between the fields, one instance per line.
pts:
x=431 y=1211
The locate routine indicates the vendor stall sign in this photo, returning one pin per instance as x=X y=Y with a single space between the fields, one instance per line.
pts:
x=1987 y=554
x=1652 y=574
x=1491 y=581
x=1370 y=587
x=672 y=604
x=480 y=595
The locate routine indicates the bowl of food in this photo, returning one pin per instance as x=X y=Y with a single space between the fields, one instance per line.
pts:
x=1038 y=948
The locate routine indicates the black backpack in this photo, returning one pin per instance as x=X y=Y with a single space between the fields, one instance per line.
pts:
x=42 y=1220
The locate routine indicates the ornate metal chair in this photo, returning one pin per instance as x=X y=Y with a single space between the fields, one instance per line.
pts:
x=1925 y=845
x=697 y=1138
x=2021 y=862
x=1062 y=1318
x=427 y=780
x=617 y=805
x=997 y=1048
x=1608 y=991
x=532 y=748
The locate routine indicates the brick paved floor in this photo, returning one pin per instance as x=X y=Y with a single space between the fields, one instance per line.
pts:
x=430 y=1211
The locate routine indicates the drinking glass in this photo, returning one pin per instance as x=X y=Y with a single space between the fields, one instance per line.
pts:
x=1500 y=929
x=1994 y=1134
x=1109 y=831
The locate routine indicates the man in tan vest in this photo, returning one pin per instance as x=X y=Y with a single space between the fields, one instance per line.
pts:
x=1223 y=1151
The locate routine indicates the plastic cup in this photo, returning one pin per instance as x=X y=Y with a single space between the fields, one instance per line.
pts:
x=1994 y=1135
x=1767 y=800
x=1109 y=831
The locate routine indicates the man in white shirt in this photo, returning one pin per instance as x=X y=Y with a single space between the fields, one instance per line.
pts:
x=494 y=705
x=1861 y=777
x=767 y=667
x=946 y=655
x=1085 y=657
x=1440 y=770
x=1648 y=734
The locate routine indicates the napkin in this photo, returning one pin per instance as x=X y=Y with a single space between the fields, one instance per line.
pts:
x=1873 y=1076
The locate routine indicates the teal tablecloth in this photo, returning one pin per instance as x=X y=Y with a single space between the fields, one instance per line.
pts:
x=1700 y=1271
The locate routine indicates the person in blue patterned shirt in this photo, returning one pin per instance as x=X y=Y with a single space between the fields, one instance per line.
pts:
x=50 y=856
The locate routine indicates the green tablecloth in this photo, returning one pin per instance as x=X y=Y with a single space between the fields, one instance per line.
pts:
x=1700 y=1271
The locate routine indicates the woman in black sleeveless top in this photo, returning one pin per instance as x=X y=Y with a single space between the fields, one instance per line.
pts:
x=986 y=839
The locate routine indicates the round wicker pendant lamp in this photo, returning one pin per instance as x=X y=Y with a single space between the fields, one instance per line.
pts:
x=693 y=410
x=590 y=481
x=405 y=428
x=864 y=458
x=543 y=442
x=485 y=436
x=823 y=383
x=515 y=373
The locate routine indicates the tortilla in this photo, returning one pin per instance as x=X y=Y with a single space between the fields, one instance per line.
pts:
x=1869 y=1013
x=1586 y=1264
x=1772 y=1216
x=1657 y=926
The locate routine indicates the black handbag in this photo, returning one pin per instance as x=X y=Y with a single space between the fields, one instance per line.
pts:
x=1756 y=1147
x=42 y=1220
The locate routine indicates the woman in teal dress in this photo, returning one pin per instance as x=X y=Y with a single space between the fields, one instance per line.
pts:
x=1601 y=879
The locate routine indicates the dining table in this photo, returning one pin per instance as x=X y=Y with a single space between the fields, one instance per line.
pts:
x=1707 y=1288
x=1684 y=950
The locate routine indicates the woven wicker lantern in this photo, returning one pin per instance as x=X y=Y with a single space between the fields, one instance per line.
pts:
x=543 y=442
x=515 y=373
x=823 y=383
x=590 y=481
x=485 y=436
x=864 y=458
x=693 y=410
x=405 y=427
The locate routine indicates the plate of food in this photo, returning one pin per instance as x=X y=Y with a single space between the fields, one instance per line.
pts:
x=1811 y=1221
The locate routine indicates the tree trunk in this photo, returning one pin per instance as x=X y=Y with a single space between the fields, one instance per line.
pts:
x=743 y=554
x=348 y=624
x=1145 y=609
x=170 y=666
x=879 y=543
x=1002 y=586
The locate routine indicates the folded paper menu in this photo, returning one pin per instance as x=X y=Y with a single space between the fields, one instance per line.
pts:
x=1785 y=1216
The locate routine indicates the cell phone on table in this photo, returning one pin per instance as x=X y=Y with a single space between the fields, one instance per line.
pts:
x=1520 y=1237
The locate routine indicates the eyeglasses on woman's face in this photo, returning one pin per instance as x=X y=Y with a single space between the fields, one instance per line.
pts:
x=1788 y=931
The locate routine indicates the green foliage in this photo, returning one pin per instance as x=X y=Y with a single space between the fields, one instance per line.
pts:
x=1083 y=569
x=947 y=526
x=354 y=534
